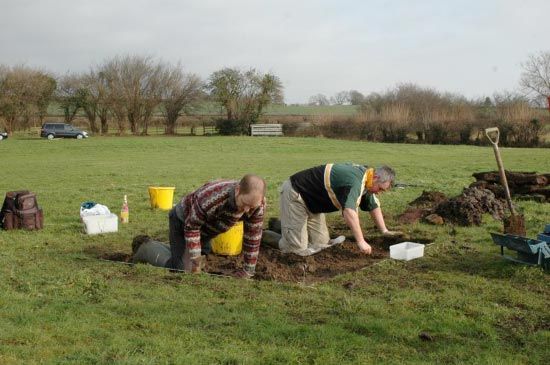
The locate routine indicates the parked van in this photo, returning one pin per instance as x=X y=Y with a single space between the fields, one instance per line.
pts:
x=60 y=130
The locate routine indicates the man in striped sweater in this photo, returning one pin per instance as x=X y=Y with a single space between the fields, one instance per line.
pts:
x=203 y=214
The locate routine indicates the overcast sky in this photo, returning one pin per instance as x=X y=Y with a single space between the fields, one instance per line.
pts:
x=471 y=47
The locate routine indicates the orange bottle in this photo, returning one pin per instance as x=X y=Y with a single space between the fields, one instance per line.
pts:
x=124 y=212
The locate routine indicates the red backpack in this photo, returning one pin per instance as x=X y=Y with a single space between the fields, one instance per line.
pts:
x=21 y=210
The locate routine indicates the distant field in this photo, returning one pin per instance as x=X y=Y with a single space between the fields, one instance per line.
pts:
x=60 y=305
x=312 y=110
x=213 y=109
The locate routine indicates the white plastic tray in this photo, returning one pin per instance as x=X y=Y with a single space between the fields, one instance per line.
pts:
x=95 y=224
x=406 y=251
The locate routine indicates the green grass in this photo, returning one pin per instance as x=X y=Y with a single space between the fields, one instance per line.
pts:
x=59 y=305
x=347 y=110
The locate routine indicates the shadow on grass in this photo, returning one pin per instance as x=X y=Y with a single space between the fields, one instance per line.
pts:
x=30 y=138
x=468 y=259
x=105 y=254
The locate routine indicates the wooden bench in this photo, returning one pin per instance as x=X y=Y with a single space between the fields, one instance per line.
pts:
x=208 y=130
x=266 y=129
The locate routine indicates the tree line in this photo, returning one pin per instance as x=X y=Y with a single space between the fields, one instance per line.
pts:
x=440 y=117
x=130 y=90
x=533 y=88
x=410 y=113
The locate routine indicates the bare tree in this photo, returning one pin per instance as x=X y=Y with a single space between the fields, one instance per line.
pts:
x=135 y=85
x=355 y=97
x=44 y=88
x=44 y=96
x=516 y=119
x=114 y=100
x=181 y=92
x=119 y=113
x=421 y=102
x=70 y=95
x=96 y=104
x=426 y=110
x=24 y=93
x=318 y=99
x=374 y=102
x=342 y=97
x=535 y=79
x=4 y=70
x=513 y=107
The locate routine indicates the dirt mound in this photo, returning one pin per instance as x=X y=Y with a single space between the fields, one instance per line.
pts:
x=466 y=209
x=522 y=185
x=428 y=199
x=413 y=215
x=421 y=207
x=277 y=266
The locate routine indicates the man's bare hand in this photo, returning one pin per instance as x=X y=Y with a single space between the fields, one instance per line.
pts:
x=365 y=247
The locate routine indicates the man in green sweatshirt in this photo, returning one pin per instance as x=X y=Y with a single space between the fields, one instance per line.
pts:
x=343 y=187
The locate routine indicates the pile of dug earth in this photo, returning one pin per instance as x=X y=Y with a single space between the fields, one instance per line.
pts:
x=485 y=195
x=523 y=185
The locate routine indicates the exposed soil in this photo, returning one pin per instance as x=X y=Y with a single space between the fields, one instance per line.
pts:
x=428 y=199
x=422 y=206
x=277 y=266
x=485 y=195
x=515 y=224
x=522 y=185
x=466 y=209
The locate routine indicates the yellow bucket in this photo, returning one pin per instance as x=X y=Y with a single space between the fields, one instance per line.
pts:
x=161 y=197
x=229 y=243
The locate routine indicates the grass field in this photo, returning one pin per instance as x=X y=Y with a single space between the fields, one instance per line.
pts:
x=60 y=305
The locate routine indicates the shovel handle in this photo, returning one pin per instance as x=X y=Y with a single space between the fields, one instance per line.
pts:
x=503 y=180
x=495 y=131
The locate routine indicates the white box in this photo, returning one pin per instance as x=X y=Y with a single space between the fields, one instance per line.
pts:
x=406 y=251
x=95 y=224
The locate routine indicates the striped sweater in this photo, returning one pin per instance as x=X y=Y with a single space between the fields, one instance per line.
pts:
x=211 y=210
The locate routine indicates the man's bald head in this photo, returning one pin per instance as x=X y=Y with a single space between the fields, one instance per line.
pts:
x=252 y=184
x=250 y=193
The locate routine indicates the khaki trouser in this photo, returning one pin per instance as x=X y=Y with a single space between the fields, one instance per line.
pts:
x=301 y=230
